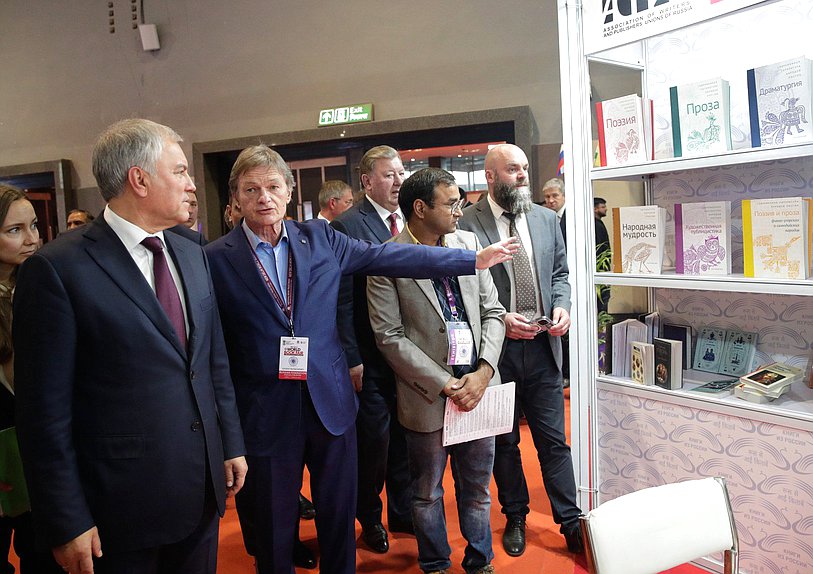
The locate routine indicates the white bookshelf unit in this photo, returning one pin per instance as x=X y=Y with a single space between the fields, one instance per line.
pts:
x=627 y=436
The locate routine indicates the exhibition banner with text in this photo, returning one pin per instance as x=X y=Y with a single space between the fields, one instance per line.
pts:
x=611 y=23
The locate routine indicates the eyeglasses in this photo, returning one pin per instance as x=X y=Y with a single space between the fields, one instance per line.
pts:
x=457 y=205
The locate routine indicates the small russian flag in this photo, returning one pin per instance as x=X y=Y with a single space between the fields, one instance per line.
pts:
x=560 y=167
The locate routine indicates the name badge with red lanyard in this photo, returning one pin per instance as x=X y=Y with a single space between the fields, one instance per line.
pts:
x=293 y=350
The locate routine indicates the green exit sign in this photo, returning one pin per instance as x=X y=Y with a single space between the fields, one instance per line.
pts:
x=346 y=115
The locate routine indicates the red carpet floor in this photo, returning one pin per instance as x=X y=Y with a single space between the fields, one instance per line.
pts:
x=546 y=552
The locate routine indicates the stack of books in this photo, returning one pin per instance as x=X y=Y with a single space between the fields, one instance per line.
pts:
x=767 y=383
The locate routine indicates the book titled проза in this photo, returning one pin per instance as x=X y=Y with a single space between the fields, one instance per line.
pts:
x=780 y=97
x=776 y=237
x=703 y=238
x=701 y=113
x=639 y=234
x=625 y=131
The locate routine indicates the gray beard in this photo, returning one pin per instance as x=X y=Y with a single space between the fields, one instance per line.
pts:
x=513 y=199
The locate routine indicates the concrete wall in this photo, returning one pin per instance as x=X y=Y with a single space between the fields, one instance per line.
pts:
x=247 y=67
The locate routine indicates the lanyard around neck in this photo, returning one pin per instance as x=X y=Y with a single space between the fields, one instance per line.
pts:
x=286 y=307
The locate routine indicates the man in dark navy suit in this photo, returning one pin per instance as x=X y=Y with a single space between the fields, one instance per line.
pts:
x=127 y=422
x=381 y=441
x=277 y=285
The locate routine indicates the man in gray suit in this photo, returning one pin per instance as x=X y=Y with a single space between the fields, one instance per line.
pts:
x=414 y=322
x=533 y=285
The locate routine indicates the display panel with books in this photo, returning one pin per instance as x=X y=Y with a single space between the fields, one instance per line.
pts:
x=644 y=434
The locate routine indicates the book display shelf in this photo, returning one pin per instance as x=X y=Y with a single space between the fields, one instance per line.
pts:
x=628 y=436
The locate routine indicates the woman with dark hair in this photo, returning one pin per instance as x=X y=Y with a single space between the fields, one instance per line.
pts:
x=19 y=239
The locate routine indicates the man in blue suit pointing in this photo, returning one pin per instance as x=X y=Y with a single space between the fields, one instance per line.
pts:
x=277 y=285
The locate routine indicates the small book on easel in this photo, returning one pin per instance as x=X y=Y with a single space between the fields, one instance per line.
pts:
x=709 y=349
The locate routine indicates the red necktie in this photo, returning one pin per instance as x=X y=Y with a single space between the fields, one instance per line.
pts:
x=393 y=225
x=165 y=288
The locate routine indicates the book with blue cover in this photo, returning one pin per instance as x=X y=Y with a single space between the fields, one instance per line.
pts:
x=709 y=349
x=738 y=353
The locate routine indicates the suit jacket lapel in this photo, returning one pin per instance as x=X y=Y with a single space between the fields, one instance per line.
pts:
x=242 y=261
x=300 y=249
x=373 y=221
x=425 y=285
x=469 y=284
x=109 y=252
x=536 y=229
x=485 y=218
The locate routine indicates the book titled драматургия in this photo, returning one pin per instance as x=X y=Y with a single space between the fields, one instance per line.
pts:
x=780 y=97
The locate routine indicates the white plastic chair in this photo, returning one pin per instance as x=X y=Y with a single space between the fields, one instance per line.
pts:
x=658 y=528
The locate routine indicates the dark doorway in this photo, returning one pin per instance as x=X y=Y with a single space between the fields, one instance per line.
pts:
x=48 y=187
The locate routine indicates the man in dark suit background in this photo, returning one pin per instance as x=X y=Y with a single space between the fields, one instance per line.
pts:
x=127 y=422
x=382 y=448
x=276 y=280
x=554 y=193
x=534 y=283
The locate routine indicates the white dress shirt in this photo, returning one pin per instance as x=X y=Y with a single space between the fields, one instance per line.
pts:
x=384 y=213
x=521 y=223
x=131 y=236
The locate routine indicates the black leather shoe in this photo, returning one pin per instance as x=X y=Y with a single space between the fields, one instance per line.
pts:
x=375 y=537
x=575 y=543
x=306 y=508
x=405 y=527
x=303 y=557
x=513 y=539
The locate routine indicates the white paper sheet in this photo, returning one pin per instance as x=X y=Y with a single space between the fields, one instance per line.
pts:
x=492 y=416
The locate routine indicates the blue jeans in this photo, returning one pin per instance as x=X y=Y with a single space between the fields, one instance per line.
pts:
x=472 y=463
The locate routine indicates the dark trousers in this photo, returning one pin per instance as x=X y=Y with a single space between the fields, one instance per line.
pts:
x=32 y=560
x=270 y=497
x=382 y=455
x=195 y=554
x=539 y=394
